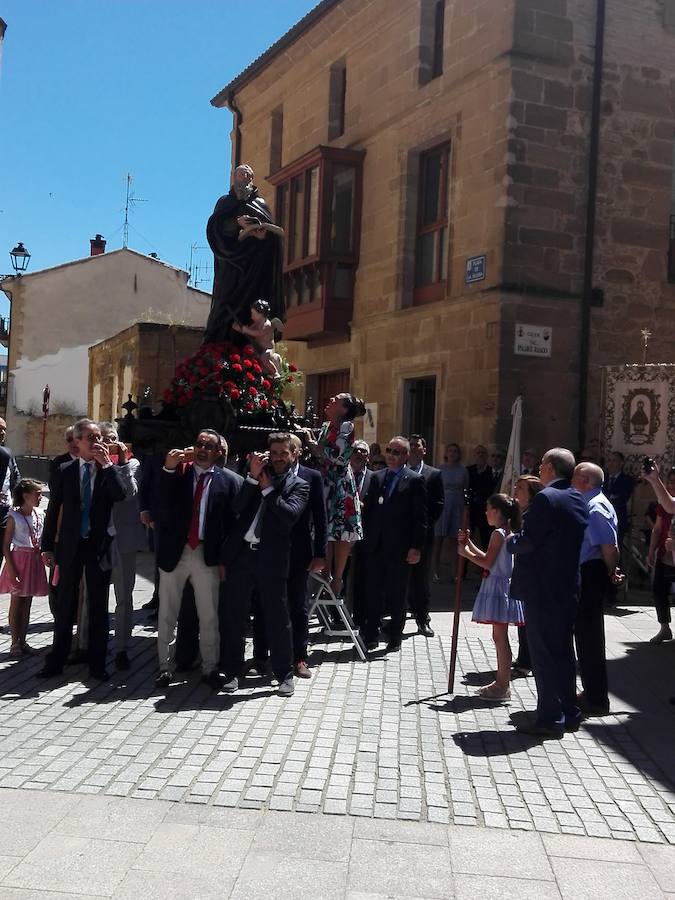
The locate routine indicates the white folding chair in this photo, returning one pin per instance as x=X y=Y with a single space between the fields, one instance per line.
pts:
x=323 y=601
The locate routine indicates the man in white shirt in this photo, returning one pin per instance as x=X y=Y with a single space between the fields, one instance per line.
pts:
x=195 y=499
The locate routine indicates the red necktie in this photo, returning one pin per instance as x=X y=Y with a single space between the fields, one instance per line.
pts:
x=193 y=532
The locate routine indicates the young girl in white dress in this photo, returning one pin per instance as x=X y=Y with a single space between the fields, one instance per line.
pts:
x=23 y=574
x=494 y=605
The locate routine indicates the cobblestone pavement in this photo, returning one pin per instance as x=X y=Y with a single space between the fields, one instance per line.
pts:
x=380 y=740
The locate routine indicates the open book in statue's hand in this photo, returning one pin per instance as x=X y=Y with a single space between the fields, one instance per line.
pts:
x=256 y=228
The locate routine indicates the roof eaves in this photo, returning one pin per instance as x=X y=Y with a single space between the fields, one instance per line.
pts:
x=106 y=255
x=222 y=97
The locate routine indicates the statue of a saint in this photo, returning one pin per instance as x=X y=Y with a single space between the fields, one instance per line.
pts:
x=247 y=259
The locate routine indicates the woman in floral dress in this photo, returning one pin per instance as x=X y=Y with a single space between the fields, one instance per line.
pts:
x=333 y=448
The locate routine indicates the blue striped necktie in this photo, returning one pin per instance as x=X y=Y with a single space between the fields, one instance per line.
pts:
x=85 y=501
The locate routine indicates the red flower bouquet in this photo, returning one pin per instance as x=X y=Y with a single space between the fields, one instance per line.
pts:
x=230 y=374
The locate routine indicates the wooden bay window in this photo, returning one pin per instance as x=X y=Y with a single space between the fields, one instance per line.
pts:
x=318 y=203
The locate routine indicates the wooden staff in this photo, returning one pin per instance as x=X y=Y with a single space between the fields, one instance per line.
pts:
x=461 y=567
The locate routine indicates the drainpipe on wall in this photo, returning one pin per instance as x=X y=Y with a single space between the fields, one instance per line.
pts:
x=238 y=119
x=591 y=209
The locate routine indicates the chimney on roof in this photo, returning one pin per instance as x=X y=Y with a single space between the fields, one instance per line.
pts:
x=97 y=245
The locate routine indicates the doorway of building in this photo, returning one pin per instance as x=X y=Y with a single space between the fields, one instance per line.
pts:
x=419 y=410
x=328 y=384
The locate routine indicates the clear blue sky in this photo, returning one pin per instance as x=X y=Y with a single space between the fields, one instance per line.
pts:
x=92 y=90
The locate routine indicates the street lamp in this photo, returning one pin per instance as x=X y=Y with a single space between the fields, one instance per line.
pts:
x=20 y=258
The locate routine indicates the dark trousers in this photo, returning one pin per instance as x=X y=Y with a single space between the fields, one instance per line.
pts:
x=298 y=609
x=246 y=575
x=550 y=628
x=357 y=583
x=589 y=630
x=523 y=659
x=664 y=576
x=387 y=585
x=67 y=599
x=419 y=596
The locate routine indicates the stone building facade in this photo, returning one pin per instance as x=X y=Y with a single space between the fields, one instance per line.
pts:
x=143 y=356
x=58 y=313
x=467 y=126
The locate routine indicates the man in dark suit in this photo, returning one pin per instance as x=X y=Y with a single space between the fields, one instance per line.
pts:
x=618 y=487
x=70 y=454
x=308 y=554
x=547 y=550
x=481 y=487
x=196 y=513
x=528 y=463
x=395 y=531
x=257 y=558
x=356 y=571
x=79 y=512
x=420 y=575
x=152 y=467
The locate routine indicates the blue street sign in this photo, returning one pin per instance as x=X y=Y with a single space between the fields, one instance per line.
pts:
x=476 y=268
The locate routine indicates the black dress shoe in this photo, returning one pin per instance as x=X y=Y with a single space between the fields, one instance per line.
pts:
x=99 y=674
x=213 y=679
x=371 y=646
x=122 y=661
x=163 y=680
x=393 y=646
x=592 y=709
x=49 y=672
x=534 y=729
x=425 y=629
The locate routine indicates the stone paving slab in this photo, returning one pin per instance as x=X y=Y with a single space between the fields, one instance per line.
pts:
x=212 y=853
x=379 y=741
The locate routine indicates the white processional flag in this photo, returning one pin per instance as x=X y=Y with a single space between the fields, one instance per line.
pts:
x=512 y=465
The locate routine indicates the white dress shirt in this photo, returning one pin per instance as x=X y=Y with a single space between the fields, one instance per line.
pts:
x=251 y=537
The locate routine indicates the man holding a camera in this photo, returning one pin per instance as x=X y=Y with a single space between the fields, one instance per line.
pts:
x=257 y=558
x=196 y=501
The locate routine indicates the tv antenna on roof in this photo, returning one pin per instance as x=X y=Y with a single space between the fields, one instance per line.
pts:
x=131 y=200
x=200 y=273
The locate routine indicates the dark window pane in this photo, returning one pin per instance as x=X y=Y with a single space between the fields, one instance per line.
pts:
x=431 y=183
x=298 y=218
x=437 y=49
x=342 y=283
x=342 y=208
x=442 y=253
x=425 y=259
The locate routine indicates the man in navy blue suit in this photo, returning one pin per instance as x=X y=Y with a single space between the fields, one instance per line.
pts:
x=546 y=573
x=257 y=557
x=395 y=529
x=196 y=513
x=308 y=554
x=618 y=487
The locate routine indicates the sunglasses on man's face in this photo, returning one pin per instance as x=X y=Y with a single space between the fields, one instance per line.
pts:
x=394 y=451
x=205 y=445
x=92 y=438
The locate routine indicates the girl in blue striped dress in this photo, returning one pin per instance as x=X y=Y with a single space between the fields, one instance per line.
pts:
x=494 y=605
